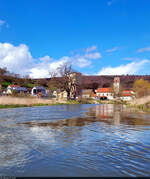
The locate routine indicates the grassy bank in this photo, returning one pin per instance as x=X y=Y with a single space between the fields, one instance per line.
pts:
x=140 y=108
x=2 y=106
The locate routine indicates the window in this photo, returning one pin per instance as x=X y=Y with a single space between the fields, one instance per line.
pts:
x=34 y=91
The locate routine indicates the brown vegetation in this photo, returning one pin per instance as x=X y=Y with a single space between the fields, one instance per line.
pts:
x=142 y=88
x=69 y=80
x=24 y=101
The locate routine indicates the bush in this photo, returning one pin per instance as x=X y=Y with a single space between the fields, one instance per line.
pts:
x=141 y=87
x=29 y=85
x=5 y=84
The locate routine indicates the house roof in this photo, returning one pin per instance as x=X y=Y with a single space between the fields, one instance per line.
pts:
x=127 y=93
x=104 y=90
x=38 y=87
x=14 y=86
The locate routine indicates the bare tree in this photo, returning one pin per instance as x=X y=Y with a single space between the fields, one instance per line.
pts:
x=68 y=80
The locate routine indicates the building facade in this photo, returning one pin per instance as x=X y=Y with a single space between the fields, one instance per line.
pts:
x=105 y=94
x=127 y=95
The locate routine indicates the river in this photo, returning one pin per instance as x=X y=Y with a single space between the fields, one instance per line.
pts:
x=74 y=140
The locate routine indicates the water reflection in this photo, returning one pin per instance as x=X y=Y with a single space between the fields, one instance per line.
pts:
x=106 y=141
x=13 y=149
x=107 y=113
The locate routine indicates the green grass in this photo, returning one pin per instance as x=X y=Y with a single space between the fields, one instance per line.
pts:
x=12 y=106
x=2 y=106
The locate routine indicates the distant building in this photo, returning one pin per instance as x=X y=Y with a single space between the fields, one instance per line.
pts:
x=105 y=94
x=116 y=86
x=60 y=94
x=39 y=91
x=87 y=93
x=15 y=88
x=127 y=95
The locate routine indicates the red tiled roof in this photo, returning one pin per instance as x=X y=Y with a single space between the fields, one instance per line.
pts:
x=16 y=86
x=104 y=90
x=126 y=93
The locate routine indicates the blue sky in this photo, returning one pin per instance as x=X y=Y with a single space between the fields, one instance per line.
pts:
x=97 y=36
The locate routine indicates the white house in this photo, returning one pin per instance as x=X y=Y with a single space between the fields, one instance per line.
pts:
x=127 y=95
x=16 y=88
x=105 y=93
x=60 y=94
x=39 y=90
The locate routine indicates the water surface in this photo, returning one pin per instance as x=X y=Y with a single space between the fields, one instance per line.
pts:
x=74 y=140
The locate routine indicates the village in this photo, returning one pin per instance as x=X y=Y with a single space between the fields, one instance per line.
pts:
x=107 y=94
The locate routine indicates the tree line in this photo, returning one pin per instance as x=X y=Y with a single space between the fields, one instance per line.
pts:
x=61 y=79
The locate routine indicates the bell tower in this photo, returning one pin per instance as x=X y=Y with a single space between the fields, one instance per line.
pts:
x=116 y=85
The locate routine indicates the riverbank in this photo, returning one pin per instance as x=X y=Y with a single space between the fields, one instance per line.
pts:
x=15 y=102
x=140 y=107
x=140 y=104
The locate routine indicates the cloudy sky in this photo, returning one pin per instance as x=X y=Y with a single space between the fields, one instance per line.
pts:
x=99 y=37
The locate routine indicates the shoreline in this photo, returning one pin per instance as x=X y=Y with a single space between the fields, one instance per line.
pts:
x=16 y=102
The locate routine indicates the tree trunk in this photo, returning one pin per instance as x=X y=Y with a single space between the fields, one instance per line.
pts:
x=68 y=95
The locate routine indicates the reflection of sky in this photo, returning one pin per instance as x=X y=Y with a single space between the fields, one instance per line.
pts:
x=13 y=150
x=44 y=135
x=96 y=147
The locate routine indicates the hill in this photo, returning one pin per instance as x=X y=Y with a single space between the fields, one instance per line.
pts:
x=126 y=81
x=93 y=82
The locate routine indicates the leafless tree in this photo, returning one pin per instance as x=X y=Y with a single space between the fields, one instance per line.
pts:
x=71 y=80
x=68 y=80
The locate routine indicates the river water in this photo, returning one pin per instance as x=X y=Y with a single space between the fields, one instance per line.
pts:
x=74 y=140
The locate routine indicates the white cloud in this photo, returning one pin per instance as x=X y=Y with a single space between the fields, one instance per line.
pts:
x=89 y=49
x=130 y=68
x=46 y=58
x=95 y=55
x=18 y=59
x=82 y=62
x=112 y=49
x=41 y=70
x=146 y=49
x=2 y=22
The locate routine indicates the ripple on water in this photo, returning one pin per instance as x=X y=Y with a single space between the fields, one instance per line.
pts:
x=98 y=143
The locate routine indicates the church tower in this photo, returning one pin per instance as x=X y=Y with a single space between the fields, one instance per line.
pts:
x=116 y=85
